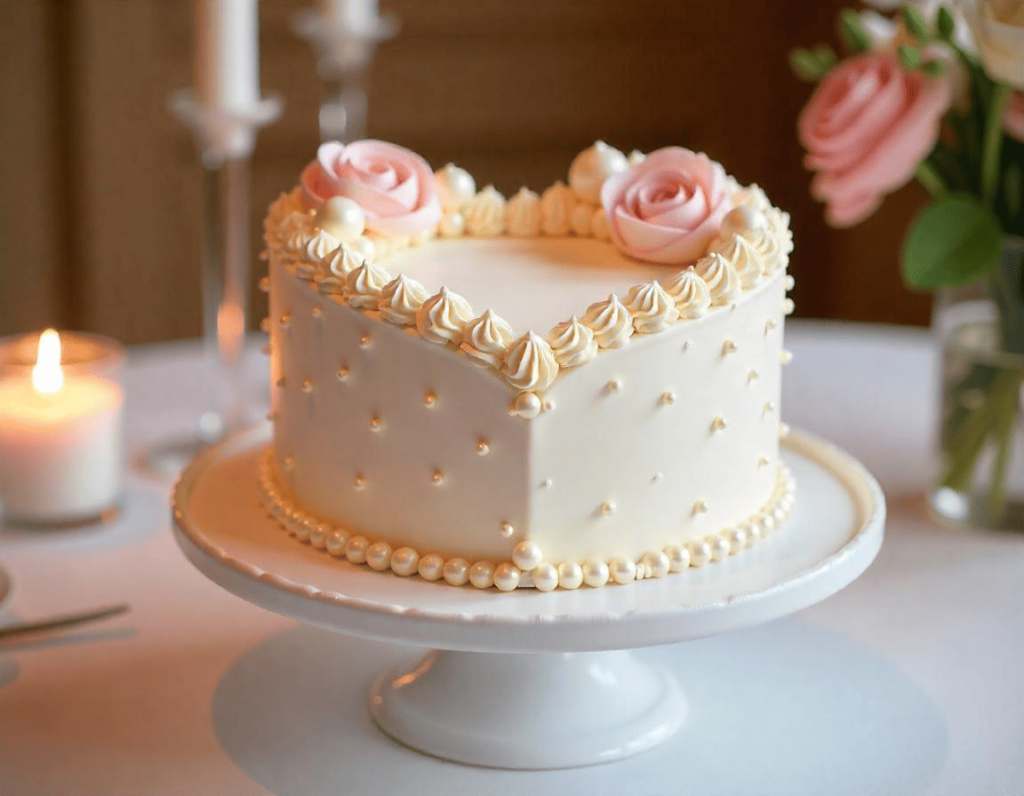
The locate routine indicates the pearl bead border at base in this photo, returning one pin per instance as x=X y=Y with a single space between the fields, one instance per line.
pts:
x=527 y=567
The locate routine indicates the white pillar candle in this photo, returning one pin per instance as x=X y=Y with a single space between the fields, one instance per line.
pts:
x=227 y=59
x=357 y=16
x=60 y=441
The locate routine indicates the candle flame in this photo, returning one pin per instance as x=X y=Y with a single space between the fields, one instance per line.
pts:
x=47 y=376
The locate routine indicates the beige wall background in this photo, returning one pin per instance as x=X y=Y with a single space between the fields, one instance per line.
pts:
x=100 y=188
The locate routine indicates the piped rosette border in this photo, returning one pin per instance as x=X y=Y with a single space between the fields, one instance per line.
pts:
x=361 y=203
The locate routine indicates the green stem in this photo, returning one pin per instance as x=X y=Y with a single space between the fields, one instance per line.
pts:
x=930 y=179
x=993 y=142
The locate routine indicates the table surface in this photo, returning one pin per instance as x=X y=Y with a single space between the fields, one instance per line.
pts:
x=910 y=681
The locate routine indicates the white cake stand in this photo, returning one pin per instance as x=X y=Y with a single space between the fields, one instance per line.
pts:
x=530 y=680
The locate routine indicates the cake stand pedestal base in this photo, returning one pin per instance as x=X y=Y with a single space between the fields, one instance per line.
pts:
x=530 y=680
x=530 y=710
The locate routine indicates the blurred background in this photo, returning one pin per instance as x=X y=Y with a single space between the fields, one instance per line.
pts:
x=100 y=189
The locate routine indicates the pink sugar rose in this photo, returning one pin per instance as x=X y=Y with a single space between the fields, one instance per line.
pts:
x=668 y=208
x=1013 y=118
x=868 y=125
x=393 y=185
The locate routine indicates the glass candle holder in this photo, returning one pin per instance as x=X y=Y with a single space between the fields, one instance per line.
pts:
x=61 y=428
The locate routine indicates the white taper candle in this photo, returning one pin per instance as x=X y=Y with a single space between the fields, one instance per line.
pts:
x=227 y=60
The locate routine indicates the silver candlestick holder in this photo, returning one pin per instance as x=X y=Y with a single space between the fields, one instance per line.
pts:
x=343 y=57
x=224 y=140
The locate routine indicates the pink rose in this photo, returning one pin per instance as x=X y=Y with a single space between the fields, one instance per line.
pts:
x=668 y=208
x=1013 y=118
x=393 y=185
x=866 y=128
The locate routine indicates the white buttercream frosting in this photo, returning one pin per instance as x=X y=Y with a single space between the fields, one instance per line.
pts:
x=636 y=157
x=442 y=317
x=557 y=204
x=487 y=338
x=599 y=227
x=690 y=293
x=572 y=343
x=485 y=214
x=653 y=309
x=344 y=260
x=364 y=284
x=742 y=255
x=582 y=218
x=452 y=225
x=591 y=167
x=610 y=321
x=455 y=187
x=321 y=246
x=530 y=363
x=401 y=299
x=723 y=281
x=524 y=214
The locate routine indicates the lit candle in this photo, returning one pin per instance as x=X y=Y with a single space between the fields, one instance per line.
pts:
x=227 y=57
x=60 y=439
x=355 y=16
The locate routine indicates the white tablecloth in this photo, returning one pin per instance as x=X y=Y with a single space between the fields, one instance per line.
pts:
x=910 y=681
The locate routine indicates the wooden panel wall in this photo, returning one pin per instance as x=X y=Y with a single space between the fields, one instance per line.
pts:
x=108 y=236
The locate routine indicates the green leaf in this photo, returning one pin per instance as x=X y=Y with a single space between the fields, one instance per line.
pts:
x=913 y=21
x=947 y=23
x=910 y=56
x=805 y=65
x=953 y=241
x=934 y=68
x=1013 y=188
x=825 y=57
x=852 y=30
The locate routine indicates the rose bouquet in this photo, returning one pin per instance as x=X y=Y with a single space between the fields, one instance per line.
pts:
x=936 y=93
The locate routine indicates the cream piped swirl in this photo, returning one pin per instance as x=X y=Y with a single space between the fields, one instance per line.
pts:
x=321 y=246
x=653 y=309
x=573 y=343
x=485 y=214
x=743 y=256
x=530 y=363
x=344 y=260
x=442 y=317
x=722 y=279
x=364 y=284
x=690 y=293
x=487 y=338
x=557 y=204
x=610 y=321
x=401 y=299
x=524 y=214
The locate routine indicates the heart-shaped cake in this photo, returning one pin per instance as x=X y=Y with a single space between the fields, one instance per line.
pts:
x=577 y=387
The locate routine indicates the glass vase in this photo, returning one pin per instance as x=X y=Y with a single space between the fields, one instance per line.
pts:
x=979 y=478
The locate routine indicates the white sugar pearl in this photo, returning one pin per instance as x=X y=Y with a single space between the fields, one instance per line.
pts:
x=657 y=563
x=570 y=575
x=456 y=571
x=507 y=576
x=545 y=576
x=748 y=537
x=355 y=549
x=378 y=556
x=595 y=572
x=364 y=249
x=404 y=561
x=622 y=570
x=318 y=536
x=678 y=558
x=719 y=548
x=341 y=217
x=481 y=574
x=431 y=567
x=303 y=530
x=526 y=555
x=336 y=543
x=455 y=187
x=742 y=218
x=700 y=553
x=736 y=538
